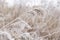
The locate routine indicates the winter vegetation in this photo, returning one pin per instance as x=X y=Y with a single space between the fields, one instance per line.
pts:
x=29 y=20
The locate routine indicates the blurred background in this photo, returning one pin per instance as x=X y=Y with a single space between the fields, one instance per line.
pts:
x=44 y=3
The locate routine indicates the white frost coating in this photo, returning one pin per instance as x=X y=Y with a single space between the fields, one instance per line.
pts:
x=11 y=3
x=33 y=2
x=44 y=3
x=35 y=29
x=53 y=3
x=8 y=35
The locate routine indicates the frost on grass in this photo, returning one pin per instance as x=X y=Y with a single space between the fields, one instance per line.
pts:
x=34 y=24
x=5 y=36
x=29 y=23
x=8 y=14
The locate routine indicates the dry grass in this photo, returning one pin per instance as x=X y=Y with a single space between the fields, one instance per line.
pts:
x=25 y=23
